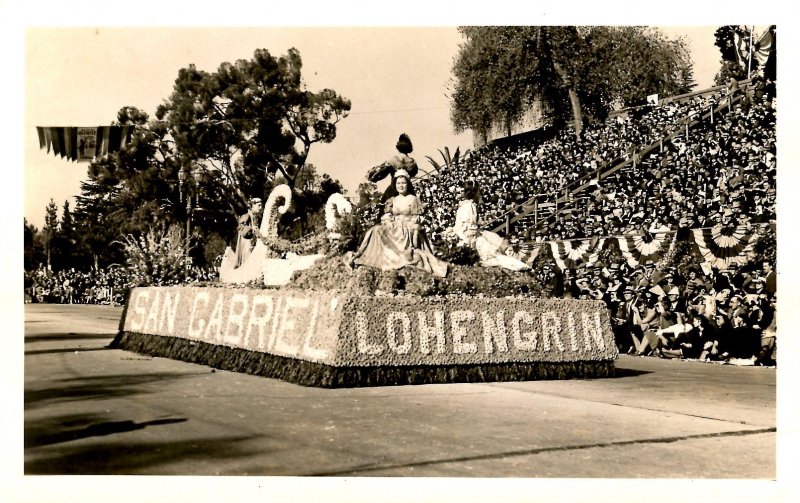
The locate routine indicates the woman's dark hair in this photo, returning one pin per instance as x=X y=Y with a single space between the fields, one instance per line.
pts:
x=471 y=190
x=404 y=144
x=408 y=182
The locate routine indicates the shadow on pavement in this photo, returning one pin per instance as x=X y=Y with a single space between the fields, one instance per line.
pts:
x=64 y=350
x=61 y=336
x=99 y=387
x=618 y=372
x=34 y=439
x=120 y=458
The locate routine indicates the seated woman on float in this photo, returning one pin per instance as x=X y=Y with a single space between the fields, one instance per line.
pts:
x=399 y=241
x=493 y=250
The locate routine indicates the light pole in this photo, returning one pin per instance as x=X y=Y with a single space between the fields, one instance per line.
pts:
x=182 y=178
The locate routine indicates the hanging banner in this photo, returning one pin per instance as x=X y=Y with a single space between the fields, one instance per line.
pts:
x=83 y=144
x=87 y=142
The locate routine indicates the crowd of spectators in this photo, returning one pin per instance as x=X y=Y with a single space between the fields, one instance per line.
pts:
x=71 y=286
x=722 y=173
x=725 y=316
x=718 y=172
x=105 y=286
x=725 y=168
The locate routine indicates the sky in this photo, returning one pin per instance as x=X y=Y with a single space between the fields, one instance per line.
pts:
x=83 y=76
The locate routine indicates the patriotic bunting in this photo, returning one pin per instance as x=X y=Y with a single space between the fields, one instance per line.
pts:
x=763 y=47
x=571 y=254
x=721 y=246
x=529 y=252
x=84 y=144
x=646 y=248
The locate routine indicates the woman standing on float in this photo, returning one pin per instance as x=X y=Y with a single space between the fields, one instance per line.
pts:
x=401 y=161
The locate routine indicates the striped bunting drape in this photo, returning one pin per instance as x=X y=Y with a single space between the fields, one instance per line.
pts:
x=84 y=144
x=529 y=252
x=722 y=246
x=646 y=248
x=571 y=254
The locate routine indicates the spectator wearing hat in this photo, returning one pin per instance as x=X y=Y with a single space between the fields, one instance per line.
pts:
x=623 y=320
x=735 y=334
x=676 y=303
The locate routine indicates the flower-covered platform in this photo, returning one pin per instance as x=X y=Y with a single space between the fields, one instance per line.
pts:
x=334 y=339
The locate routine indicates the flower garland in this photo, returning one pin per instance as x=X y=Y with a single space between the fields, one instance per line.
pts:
x=309 y=244
x=721 y=246
x=336 y=206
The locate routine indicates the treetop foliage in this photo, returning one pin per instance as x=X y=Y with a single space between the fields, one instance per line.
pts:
x=501 y=70
x=217 y=140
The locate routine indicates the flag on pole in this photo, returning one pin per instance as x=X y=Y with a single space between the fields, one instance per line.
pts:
x=740 y=46
x=763 y=47
x=83 y=144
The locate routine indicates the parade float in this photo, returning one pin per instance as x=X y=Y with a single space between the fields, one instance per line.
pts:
x=298 y=312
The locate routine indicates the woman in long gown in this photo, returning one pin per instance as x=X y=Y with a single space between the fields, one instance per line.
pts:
x=491 y=248
x=399 y=241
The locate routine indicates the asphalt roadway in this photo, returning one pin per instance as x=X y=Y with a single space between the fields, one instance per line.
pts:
x=93 y=410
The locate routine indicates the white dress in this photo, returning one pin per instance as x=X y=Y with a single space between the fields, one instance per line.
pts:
x=490 y=246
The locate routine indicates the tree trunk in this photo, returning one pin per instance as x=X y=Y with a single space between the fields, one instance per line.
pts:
x=577 y=115
x=574 y=100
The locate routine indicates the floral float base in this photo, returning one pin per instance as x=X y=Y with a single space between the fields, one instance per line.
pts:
x=333 y=339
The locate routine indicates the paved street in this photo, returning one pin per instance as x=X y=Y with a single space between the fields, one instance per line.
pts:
x=93 y=410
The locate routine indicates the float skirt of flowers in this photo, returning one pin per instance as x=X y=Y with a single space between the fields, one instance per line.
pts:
x=335 y=339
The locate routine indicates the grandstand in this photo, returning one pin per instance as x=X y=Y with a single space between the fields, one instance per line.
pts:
x=683 y=187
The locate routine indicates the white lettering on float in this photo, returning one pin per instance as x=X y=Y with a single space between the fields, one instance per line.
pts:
x=459 y=331
x=405 y=322
x=235 y=319
x=551 y=328
x=139 y=309
x=275 y=317
x=213 y=331
x=364 y=346
x=151 y=323
x=308 y=349
x=571 y=330
x=259 y=321
x=169 y=312
x=593 y=332
x=494 y=331
x=196 y=330
x=524 y=341
x=426 y=332
x=293 y=326
x=287 y=340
